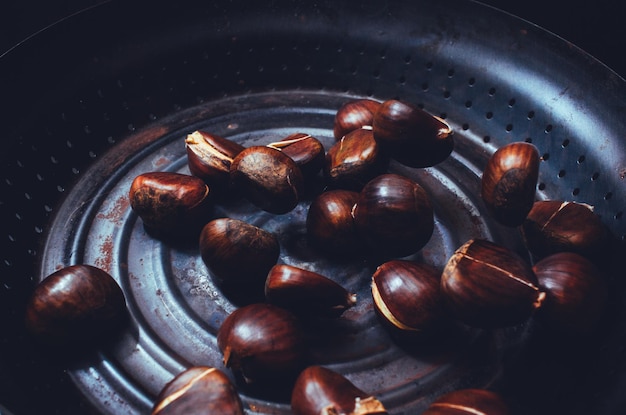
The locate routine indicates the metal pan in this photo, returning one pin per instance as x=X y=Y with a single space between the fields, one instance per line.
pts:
x=112 y=92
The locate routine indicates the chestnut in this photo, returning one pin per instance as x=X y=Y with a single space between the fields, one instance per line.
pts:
x=268 y=178
x=407 y=296
x=487 y=285
x=209 y=157
x=78 y=304
x=469 y=401
x=411 y=135
x=306 y=292
x=558 y=226
x=307 y=151
x=238 y=255
x=170 y=203
x=262 y=342
x=199 y=390
x=353 y=115
x=394 y=216
x=322 y=391
x=354 y=160
x=329 y=223
x=509 y=181
x=576 y=293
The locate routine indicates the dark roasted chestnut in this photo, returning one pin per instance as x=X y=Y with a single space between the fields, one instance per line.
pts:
x=554 y=226
x=354 y=160
x=239 y=256
x=394 y=216
x=411 y=135
x=330 y=225
x=199 y=390
x=307 y=151
x=576 y=292
x=170 y=203
x=509 y=181
x=306 y=292
x=76 y=304
x=268 y=178
x=322 y=391
x=209 y=157
x=262 y=342
x=487 y=285
x=469 y=401
x=407 y=295
x=353 y=115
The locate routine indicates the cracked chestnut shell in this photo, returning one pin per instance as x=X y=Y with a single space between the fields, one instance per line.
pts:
x=209 y=157
x=199 y=390
x=576 y=292
x=469 y=401
x=238 y=255
x=354 y=115
x=394 y=216
x=268 y=178
x=262 y=342
x=411 y=135
x=322 y=391
x=487 y=285
x=509 y=181
x=306 y=292
x=76 y=304
x=307 y=151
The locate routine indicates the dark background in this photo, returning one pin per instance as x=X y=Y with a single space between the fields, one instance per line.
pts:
x=597 y=26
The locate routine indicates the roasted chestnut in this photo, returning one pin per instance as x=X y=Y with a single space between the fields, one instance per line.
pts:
x=209 y=157
x=268 y=178
x=170 y=203
x=199 y=390
x=78 y=304
x=487 y=285
x=576 y=292
x=407 y=295
x=239 y=256
x=306 y=292
x=469 y=401
x=411 y=135
x=394 y=216
x=353 y=115
x=556 y=226
x=330 y=225
x=509 y=181
x=322 y=391
x=307 y=151
x=262 y=342
x=354 y=160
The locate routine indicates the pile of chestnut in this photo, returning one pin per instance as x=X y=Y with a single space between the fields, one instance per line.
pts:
x=361 y=208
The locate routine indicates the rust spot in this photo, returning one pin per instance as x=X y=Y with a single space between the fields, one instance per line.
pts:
x=105 y=259
x=116 y=213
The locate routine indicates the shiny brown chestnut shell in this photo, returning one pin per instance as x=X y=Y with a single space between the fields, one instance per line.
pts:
x=394 y=216
x=509 y=182
x=307 y=151
x=487 y=285
x=329 y=223
x=78 y=304
x=306 y=292
x=170 y=203
x=238 y=255
x=199 y=390
x=558 y=226
x=576 y=293
x=353 y=115
x=268 y=178
x=354 y=160
x=322 y=391
x=407 y=295
x=262 y=342
x=411 y=135
x=209 y=157
x=469 y=401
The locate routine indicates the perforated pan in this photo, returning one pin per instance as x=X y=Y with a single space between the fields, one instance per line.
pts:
x=112 y=92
